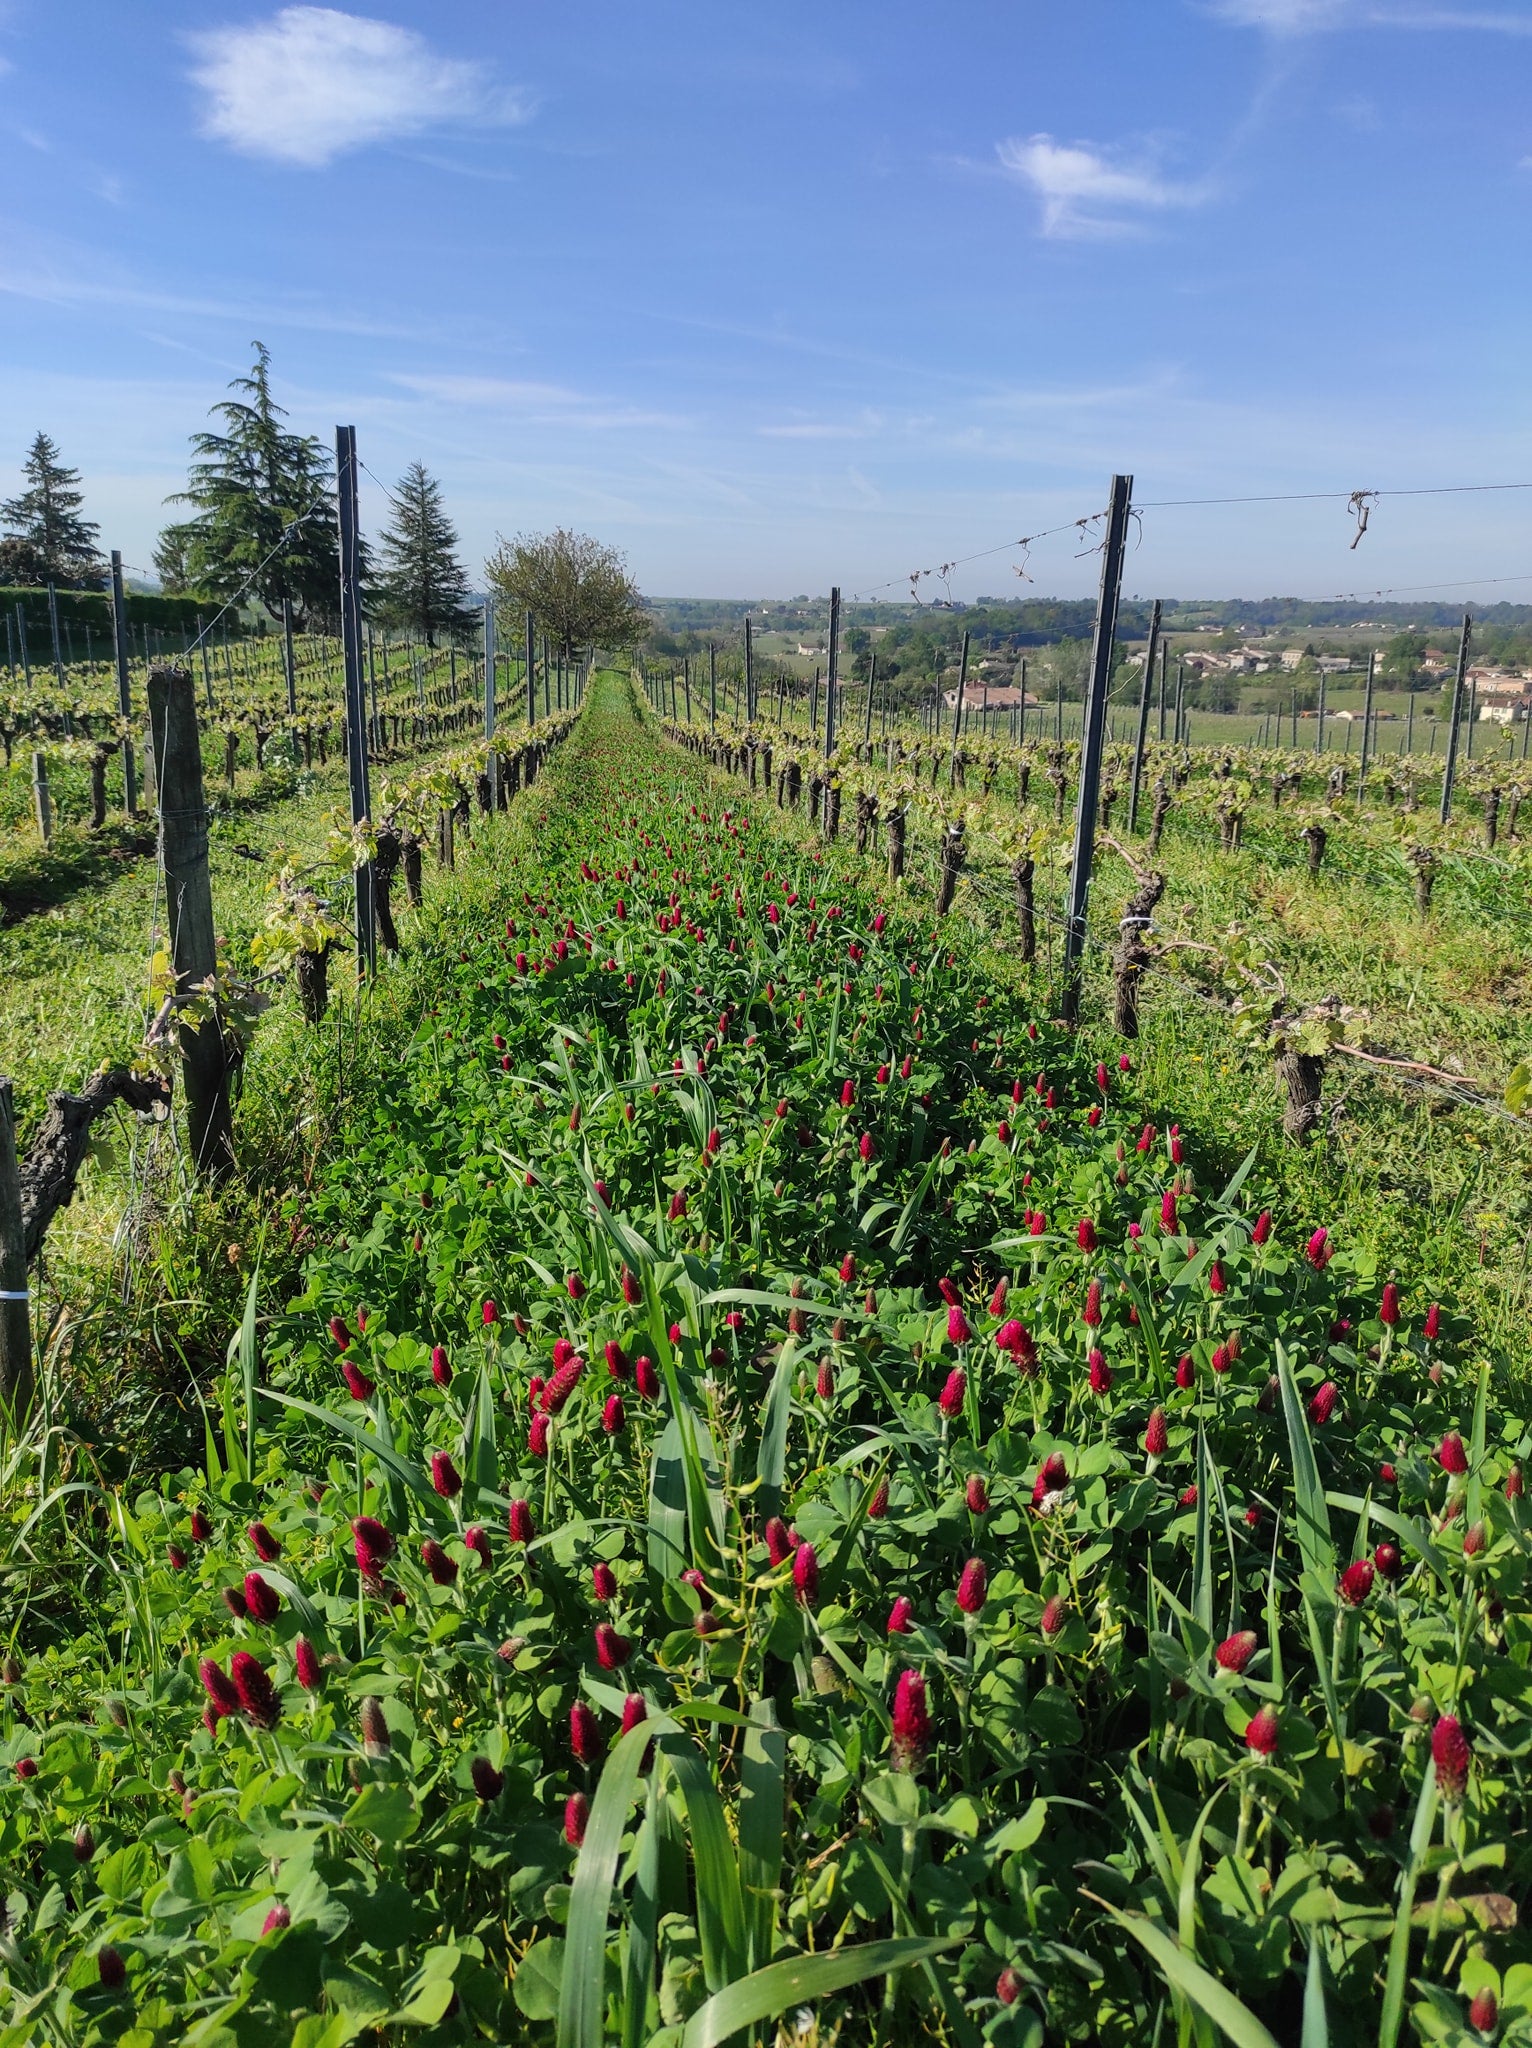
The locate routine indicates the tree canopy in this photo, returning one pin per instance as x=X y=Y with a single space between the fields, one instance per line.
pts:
x=578 y=589
x=422 y=584
x=264 y=508
x=46 y=539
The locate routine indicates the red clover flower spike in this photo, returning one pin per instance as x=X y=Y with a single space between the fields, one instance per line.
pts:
x=358 y=1385
x=1053 y=1478
x=373 y=1543
x=1356 y=1582
x=258 y=1697
x=310 y=1671
x=1264 y=1732
x=806 y=1575
x=973 y=1586
x=263 y=1602
x=584 y=1734
x=1452 y=1756
x=911 y=1722
x=950 y=1400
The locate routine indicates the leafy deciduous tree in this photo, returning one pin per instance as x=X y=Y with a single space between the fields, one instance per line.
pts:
x=577 y=588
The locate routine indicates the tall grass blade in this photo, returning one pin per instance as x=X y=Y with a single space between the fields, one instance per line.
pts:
x=1316 y=1545
x=383 y=1450
x=582 y=1989
x=1396 y=1983
x=483 y=1468
x=1229 y=2014
x=762 y=1814
x=667 y=1505
x=797 y=1980
x=720 y=1908
x=643 y=1926
x=1316 y=2021
x=771 y=1459
x=1202 y=1549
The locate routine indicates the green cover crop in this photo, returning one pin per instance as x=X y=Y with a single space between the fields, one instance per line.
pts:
x=781 y=1491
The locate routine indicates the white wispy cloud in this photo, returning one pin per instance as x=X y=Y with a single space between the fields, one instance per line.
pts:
x=532 y=403
x=311 y=83
x=1312 y=17
x=1089 y=191
x=859 y=429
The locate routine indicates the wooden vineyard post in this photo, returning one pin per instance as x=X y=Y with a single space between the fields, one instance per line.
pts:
x=15 y=1311
x=1449 y=771
x=530 y=659
x=124 y=692
x=712 y=682
x=189 y=905
x=1097 y=686
x=1143 y=715
x=749 y=673
x=872 y=685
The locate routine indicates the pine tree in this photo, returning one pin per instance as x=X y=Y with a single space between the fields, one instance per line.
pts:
x=43 y=525
x=423 y=584
x=265 y=507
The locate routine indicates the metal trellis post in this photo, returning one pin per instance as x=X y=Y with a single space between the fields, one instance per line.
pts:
x=1097 y=687
x=356 y=685
x=1449 y=772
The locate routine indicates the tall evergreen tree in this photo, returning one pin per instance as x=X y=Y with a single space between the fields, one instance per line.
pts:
x=43 y=527
x=423 y=584
x=265 y=507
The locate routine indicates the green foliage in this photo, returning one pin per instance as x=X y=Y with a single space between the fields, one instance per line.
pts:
x=658 y=962
x=46 y=538
x=577 y=589
x=263 y=499
x=421 y=584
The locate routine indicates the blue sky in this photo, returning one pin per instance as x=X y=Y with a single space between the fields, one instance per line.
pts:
x=802 y=294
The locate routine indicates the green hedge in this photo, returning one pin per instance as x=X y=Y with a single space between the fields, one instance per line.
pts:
x=175 y=617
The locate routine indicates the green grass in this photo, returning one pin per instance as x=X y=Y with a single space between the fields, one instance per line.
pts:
x=1436 y=1188
x=142 y=1274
